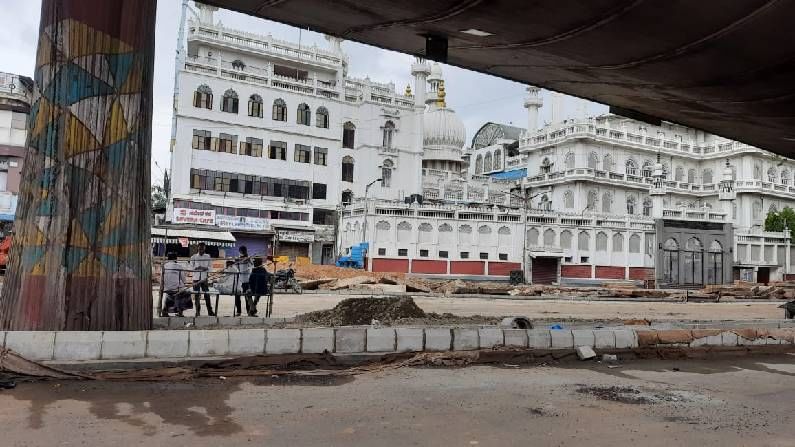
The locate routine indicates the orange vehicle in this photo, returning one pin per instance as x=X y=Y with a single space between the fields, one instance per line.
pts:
x=5 y=246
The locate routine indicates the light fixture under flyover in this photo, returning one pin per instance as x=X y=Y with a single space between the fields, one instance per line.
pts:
x=477 y=32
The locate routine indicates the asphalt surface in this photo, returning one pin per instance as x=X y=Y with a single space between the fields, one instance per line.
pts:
x=727 y=402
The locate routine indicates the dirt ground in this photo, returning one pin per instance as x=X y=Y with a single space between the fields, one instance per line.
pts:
x=731 y=402
x=288 y=305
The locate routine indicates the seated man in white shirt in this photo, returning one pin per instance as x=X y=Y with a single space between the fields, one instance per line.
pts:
x=177 y=297
x=229 y=284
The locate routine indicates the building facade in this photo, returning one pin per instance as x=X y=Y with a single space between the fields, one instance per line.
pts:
x=15 y=98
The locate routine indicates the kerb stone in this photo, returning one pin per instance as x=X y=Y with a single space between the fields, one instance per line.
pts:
x=409 y=339
x=167 y=344
x=438 y=339
x=123 y=345
x=604 y=339
x=246 y=341
x=515 y=337
x=380 y=340
x=490 y=337
x=539 y=339
x=33 y=345
x=584 y=338
x=283 y=341
x=625 y=338
x=351 y=340
x=78 y=345
x=208 y=343
x=562 y=339
x=465 y=339
x=317 y=340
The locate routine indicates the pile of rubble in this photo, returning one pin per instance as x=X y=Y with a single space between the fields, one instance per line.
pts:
x=784 y=290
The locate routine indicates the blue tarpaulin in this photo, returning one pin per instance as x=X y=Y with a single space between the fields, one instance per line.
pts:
x=7 y=217
x=516 y=174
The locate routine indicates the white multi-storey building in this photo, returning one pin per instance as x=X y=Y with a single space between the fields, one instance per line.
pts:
x=15 y=99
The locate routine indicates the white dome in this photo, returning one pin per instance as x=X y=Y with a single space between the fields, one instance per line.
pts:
x=436 y=72
x=442 y=127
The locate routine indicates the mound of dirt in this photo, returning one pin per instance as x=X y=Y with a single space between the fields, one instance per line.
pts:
x=357 y=311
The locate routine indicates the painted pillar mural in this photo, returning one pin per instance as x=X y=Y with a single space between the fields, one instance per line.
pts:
x=81 y=254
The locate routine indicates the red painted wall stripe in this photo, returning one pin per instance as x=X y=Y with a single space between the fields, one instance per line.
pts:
x=503 y=268
x=575 y=271
x=390 y=265
x=467 y=267
x=609 y=272
x=429 y=266
x=641 y=273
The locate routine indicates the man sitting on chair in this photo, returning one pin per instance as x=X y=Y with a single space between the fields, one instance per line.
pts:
x=258 y=284
x=177 y=297
x=229 y=284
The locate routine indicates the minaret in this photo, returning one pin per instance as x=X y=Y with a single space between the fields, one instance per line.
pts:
x=726 y=192
x=557 y=108
x=420 y=70
x=532 y=103
x=206 y=13
x=657 y=191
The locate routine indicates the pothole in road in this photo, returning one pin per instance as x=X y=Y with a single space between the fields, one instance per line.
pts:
x=638 y=396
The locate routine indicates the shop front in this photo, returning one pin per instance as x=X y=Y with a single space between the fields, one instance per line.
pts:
x=294 y=243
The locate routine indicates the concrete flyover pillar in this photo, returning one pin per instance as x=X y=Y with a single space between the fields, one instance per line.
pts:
x=81 y=253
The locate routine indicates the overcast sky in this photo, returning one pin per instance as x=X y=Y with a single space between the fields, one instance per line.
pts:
x=477 y=98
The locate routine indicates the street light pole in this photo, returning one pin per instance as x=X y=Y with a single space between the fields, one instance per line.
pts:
x=366 y=209
x=525 y=206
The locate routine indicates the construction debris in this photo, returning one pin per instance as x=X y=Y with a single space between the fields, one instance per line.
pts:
x=362 y=311
x=585 y=352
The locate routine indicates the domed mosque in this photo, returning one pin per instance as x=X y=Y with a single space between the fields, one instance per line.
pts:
x=444 y=134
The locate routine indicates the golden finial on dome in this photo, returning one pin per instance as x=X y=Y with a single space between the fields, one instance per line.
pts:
x=440 y=95
x=408 y=90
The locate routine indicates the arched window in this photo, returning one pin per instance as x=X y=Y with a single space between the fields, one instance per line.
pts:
x=591 y=202
x=389 y=133
x=504 y=237
x=785 y=176
x=583 y=241
x=321 y=117
x=426 y=233
x=756 y=209
x=532 y=236
x=465 y=234
x=382 y=231
x=255 y=106
x=771 y=175
x=404 y=232
x=230 y=101
x=565 y=239
x=546 y=204
x=607 y=163
x=646 y=171
x=607 y=203
x=479 y=164
x=487 y=162
x=568 y=200
x=691 y=176
x=593 y=160
x=715 y=247
x=693 y=244
x=546 y=166
x=647 y=206
x=631 y=167
x=348 y=135
x=347 y=196
x=601 y=241
x=347 y=168
x=757 y=172
x=484 y=235
x=445 y=234
x=304 y=115
x=634 y=243
x=549 y=237
x=203 y=97
x=631 y=205
x=706 y=177
x=670 y=244
x=279 y=110
x=386 y=173
x=570 y=161
x=618 y=243
x=497 y=160
x=679 y=175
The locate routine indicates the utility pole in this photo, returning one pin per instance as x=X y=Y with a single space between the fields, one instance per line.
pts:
x=366 y=209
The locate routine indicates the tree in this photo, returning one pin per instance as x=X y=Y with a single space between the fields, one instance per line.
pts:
x=778 y=221
x=159 y=197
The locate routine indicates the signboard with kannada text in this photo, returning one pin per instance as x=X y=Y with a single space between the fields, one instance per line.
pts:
x=191 y=216
x=296 y=236
x=241 y=223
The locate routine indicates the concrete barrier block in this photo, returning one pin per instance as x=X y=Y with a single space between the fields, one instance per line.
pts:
x=729 y=339
x=465 y=339
x=625 y=338
x=539 y=339
x=229 y=321
x=33 y=345
x=438 y=339
x=515 y=337
x=251 y=321
x=208 y=343
x=583 y=337
x=123 y=345
x=317 y=340
x=350 y=339
x=203 y=321
x=283 y=341
x=409 y=339
x=180 y=322
x=160 y=323
x=381 y=340
x=604 y=339
x=490 y=337
x=246 y=341
x=562 y=339
x=167 y=344
x=78 y=345
x=710 y=340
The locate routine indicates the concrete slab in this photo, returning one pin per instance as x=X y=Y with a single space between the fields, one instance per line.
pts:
x=465 y=339
x=625 y=338
x=583 y=337
x=33 y=345
x=180 y=322
x=317 y=340
x=166 y=344
x=229 y=321
x=381 y=340
x=562 y=339
x=409 y=339
x=118 y=345
x=251 y=321
x=515 y=337
x=283 y=341
x=604 y=339
x=160 y=322
x=202 y=322
x=539 y=339
x=490 y=337
x=585 y=352
x=78 y=345
x=208 y=343
x=438 y=339
x=246 y=341
x=729 y=339
x=349 y=339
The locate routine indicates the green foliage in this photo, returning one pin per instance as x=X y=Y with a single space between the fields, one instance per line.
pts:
x=778 y=221
x=159 y=197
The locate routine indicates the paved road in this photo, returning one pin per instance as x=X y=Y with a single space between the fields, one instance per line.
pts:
x=738 y=402
x=288 y=305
